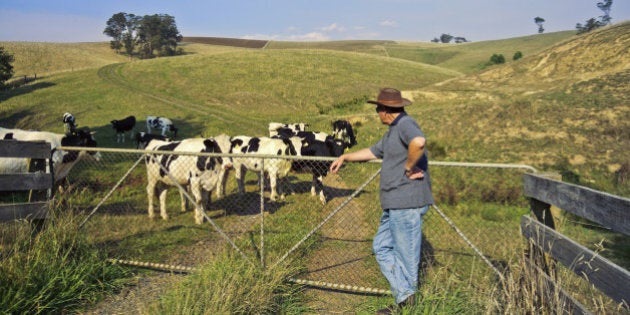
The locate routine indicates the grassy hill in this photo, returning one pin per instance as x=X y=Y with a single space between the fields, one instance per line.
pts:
x=39 y=59
x=564 y=106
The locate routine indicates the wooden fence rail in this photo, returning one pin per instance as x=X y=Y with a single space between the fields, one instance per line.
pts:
x=610 y=211
x=38 y=179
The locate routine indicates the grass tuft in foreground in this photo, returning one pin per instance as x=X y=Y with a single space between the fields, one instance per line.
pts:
x=51 y=269
x=231 y=285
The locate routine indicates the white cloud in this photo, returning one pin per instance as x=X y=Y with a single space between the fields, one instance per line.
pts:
x=312 y=36
x=333 y=27
x=388 y=23
x=261 y=37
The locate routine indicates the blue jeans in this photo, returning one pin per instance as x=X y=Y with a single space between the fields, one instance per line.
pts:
x=397 y=249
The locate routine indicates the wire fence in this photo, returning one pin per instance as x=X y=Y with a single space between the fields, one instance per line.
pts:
x=471 y=235
x=332 y=239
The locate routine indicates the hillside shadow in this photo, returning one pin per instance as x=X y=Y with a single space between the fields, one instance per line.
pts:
x=25 y=89
x=13 y=119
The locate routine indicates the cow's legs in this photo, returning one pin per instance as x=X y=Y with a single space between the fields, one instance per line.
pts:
x=150 y=194
x=273 y=178
x=320 y=185
x=239 y=174
x=183 y=200
x=163 y=213
x=220 y=189
x=314 y=185
x=197 y=191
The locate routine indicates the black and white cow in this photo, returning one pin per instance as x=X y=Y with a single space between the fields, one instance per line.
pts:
x=330 y=147
x=274 y=126
x=198 y=172
x=161 y=123
x=124 y=125
x=276 y=169
x=69 y=123
x=143 y=139
x=305 y=135
x=342 y=129
x=63 y=161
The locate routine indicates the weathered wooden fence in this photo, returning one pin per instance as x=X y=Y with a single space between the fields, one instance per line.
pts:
x=610 y=211
x=38 y=181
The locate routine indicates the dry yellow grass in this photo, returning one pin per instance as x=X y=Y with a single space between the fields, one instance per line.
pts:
x=33 y=58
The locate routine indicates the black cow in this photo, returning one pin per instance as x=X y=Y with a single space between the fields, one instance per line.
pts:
x=330 y=147
x=123 y=125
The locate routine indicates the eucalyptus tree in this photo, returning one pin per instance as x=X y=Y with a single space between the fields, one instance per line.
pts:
x=122 y=28
x=6 y=68
x=539 y=21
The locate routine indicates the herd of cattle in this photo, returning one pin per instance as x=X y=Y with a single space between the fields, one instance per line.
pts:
x=200 y=174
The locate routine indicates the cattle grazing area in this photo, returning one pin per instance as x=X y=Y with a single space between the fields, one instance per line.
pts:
x=241 y=218
x=288 y=109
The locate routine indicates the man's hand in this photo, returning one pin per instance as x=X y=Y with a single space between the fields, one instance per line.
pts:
x=415 y=173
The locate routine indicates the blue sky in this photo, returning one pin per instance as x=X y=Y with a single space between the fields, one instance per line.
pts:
x=304 y=20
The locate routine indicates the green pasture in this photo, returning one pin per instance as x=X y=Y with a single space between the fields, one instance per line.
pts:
x=546 y=110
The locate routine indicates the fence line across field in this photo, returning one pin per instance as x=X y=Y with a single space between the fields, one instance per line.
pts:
x=323 y=284
x=294 y=157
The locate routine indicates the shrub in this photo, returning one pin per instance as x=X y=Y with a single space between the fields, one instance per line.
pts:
x=517 y=55
x=497 y=59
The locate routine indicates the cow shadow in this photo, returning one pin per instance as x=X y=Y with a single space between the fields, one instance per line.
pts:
x=245 y=204
x=107 y=138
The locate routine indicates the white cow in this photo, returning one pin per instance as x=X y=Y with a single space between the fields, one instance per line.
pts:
x=63 y=161
x=277 y=169
x=161 y=123
x=199 y=172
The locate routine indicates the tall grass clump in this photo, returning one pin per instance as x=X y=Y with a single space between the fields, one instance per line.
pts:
x=52 y=268
x=232 y=285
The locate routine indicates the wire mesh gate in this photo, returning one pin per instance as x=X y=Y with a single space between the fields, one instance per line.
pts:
x=332 y=241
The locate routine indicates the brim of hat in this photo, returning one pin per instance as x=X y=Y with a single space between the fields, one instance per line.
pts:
x=405 y=102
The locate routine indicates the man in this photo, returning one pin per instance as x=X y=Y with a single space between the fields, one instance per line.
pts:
x=405 y=194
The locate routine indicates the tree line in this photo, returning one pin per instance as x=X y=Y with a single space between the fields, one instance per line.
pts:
x=590 y=24
x=143 y=36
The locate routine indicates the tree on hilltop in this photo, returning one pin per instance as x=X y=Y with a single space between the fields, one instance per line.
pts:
x=159 y=33
x=539 y=21
x=6 y=68
x=605 y=7
x=594 y=23
x=446 y=38
x=143 y=35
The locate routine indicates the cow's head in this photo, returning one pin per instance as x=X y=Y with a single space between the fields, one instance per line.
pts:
x=81 y=138
x=336 y=147
x=342 y=130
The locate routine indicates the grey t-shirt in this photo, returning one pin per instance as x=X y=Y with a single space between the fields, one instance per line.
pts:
x=398 y=191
